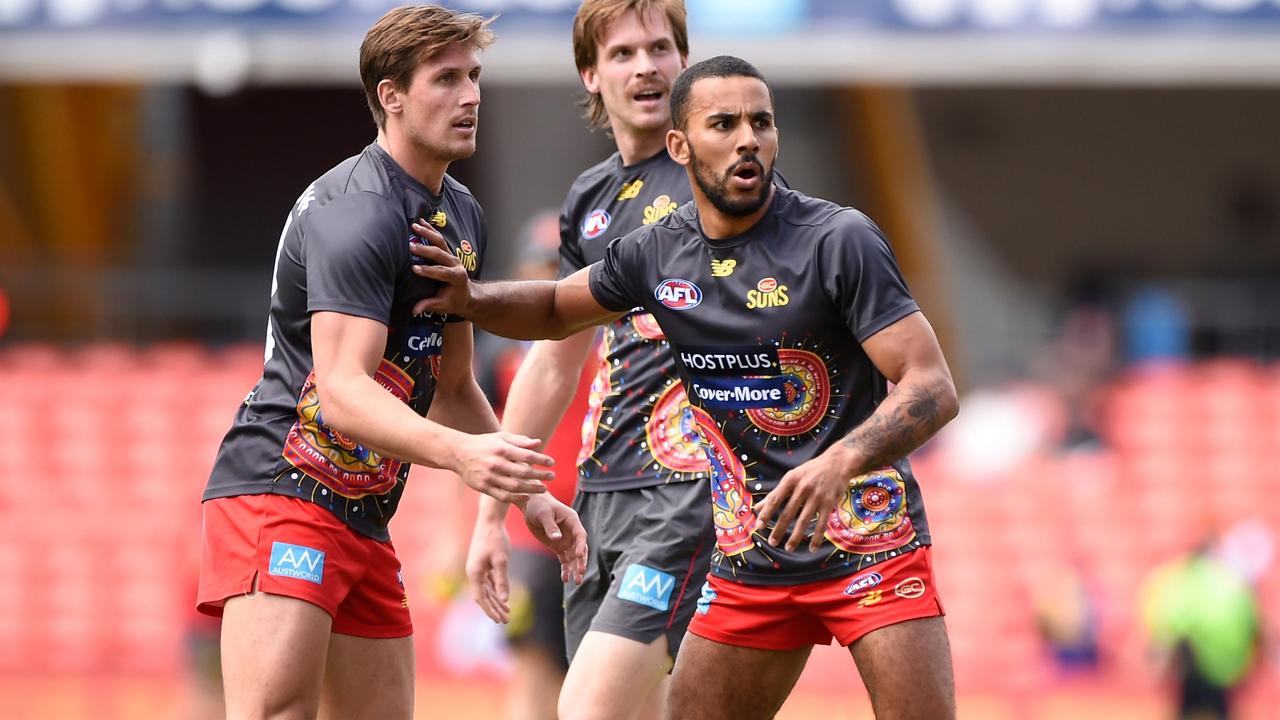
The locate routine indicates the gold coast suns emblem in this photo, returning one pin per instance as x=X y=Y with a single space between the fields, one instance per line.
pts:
x=467 y=256
x=630 y=190
x=768 y=293
x=723 y=268
x=439 y=219
x=661 y=207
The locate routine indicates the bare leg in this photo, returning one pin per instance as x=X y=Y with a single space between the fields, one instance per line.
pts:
x=535 y=685
x=368 y=678
x=907 y=670
x=273 y=656
x=613 y=678
x=714 y=681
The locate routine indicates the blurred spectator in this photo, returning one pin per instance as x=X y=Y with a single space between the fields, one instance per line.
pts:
x=1078 y=362
x=1067 y=617
x=1203 y=618
x=1156 y=326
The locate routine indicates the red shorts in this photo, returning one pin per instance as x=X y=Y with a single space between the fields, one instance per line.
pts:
x=298 y=549
x=786 y=617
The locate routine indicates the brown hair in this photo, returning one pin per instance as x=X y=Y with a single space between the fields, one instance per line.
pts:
x=408 y=36
x=592 y=21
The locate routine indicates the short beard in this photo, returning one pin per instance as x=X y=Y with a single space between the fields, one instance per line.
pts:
x=717 y=189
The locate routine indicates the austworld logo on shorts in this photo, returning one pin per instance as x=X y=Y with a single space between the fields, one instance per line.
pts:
x=296 y=561
x=647 y=586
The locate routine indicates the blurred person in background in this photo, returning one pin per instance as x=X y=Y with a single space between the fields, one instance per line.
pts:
x=641 y=474
x=820 y=524
x=1202 y=617
x=535 y=632
x=296 y=554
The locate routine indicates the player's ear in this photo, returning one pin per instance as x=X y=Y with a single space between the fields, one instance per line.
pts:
x=389 y=96
x=678 y=146
x=590 y=80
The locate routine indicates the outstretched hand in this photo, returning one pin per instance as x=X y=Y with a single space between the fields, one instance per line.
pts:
x=501 y=465
x=808 y=492
x=444 y=267
x=557 y=526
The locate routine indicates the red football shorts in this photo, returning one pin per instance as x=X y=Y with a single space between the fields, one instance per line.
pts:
x=785 y=617
x=298 y=549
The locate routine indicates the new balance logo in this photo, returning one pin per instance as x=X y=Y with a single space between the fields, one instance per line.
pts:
x=296 y=561
x=647 y=586
x=723 y=268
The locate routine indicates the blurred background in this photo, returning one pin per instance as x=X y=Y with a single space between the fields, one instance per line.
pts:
x=1084 y=195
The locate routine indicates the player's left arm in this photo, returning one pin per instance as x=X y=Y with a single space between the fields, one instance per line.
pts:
x=922 y=401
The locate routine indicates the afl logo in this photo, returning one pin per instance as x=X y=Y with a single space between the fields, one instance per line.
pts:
x=595 y=224
x=678 y=294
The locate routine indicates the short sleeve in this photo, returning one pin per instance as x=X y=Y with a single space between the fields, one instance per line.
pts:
x=614 y=280
x=354 y=247
x=571 y=258
x=860 y=274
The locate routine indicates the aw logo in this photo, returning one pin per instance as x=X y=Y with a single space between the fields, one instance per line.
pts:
x=296 y=561
x=648 y=587
x=595 y=224
x=678 y=294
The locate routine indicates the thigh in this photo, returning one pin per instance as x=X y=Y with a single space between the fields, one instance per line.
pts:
x=613 y=677
x=273 y=656
x=715 y=681
x=906 y=668
x=368 y=678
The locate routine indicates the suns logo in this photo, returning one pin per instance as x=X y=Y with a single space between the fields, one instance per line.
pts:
x=595 y=224
x=723 y=268
x=768 y=293
x=661 y=207
x=439 y=219
x=630 y=190
x=678 y=294
x=467 y=256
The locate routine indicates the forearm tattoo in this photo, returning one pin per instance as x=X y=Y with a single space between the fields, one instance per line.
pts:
x=907 y=417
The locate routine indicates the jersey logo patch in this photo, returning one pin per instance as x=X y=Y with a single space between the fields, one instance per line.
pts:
x=741 y=393
x=296 y=561
x=704 y=601
x=467 y=256
x=768 y=293
x=439 y=219
x=723 y=268
x=678 y=294
x=661 y=207
x=630 y=190
x=648 y=587
x=595 y=224
x=865 y=581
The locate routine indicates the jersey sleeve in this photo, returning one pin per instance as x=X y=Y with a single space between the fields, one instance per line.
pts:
x=354 y=248
x=615 y=280
x=571 y=258
x=860 y=275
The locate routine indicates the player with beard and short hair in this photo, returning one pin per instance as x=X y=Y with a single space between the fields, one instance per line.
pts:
x=297 y=557
x=788 y=318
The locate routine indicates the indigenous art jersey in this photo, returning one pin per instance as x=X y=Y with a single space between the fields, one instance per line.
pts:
x=344 y=249
x=636 y=432
x=766 y=329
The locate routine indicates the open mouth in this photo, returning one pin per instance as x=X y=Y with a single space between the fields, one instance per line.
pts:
x=747 y=172
x=468 y=124
x=648 y=96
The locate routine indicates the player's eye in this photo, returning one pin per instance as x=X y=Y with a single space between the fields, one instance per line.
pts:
x=445 y=79
x=661 y=47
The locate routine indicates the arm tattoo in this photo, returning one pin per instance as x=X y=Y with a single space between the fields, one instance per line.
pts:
x=907 y=417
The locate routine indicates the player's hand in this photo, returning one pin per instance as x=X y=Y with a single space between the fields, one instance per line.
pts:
x=443 y=266
x=810 y=491
x=557 y=526
x=501 y=465
x=487 y=562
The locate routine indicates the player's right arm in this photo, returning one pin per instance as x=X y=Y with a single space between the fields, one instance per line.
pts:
x=524 y=310
x=347 y=351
